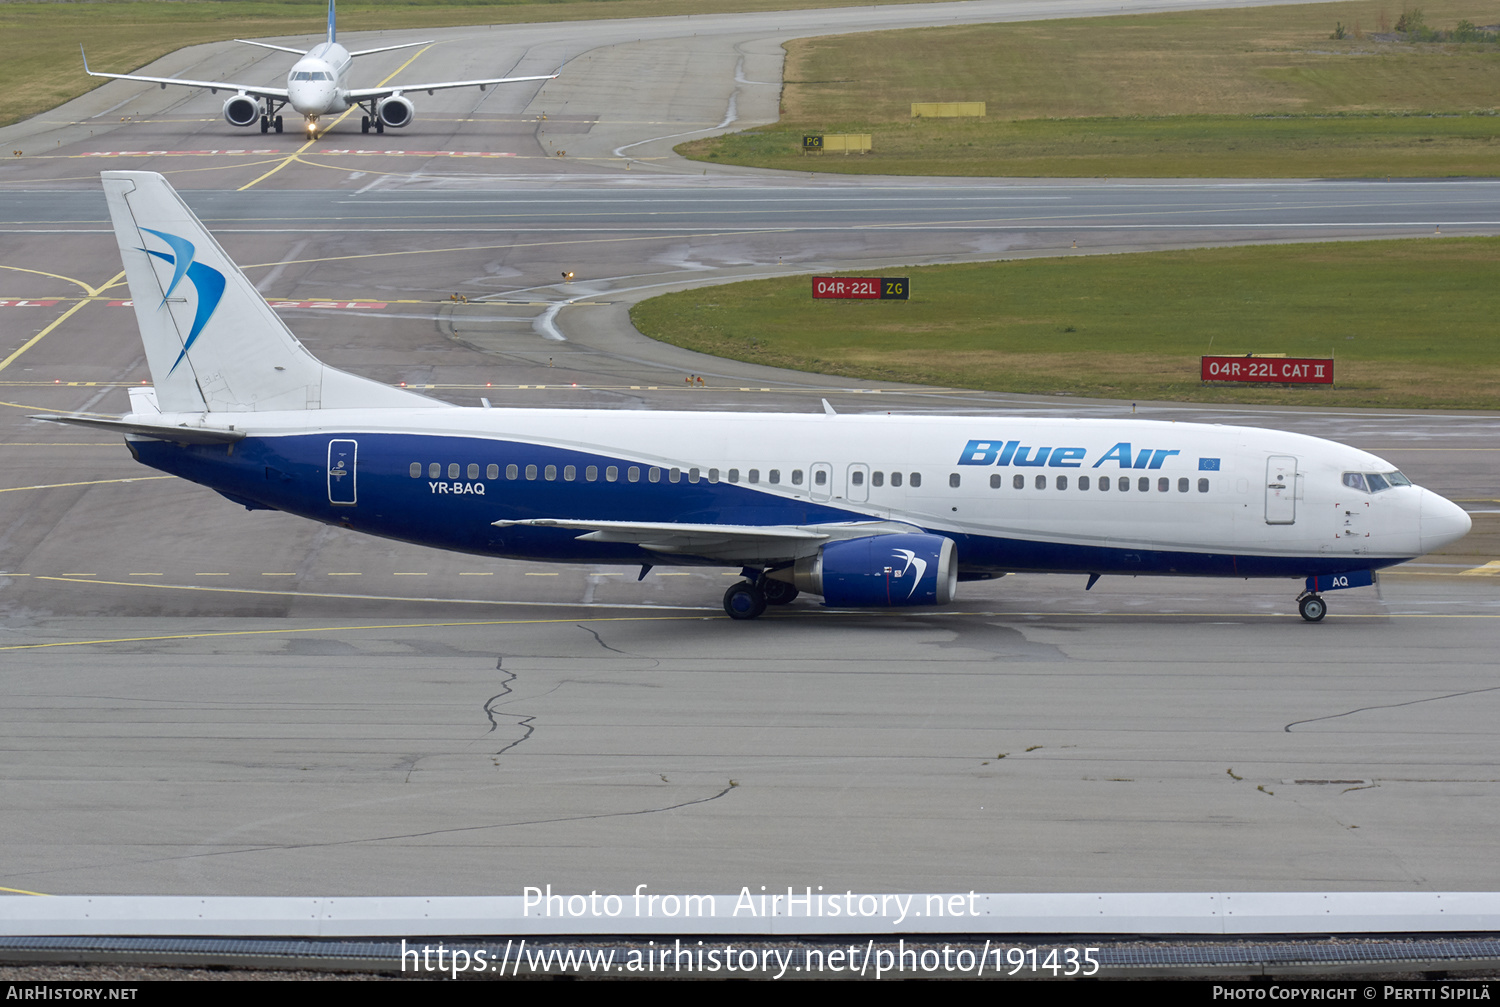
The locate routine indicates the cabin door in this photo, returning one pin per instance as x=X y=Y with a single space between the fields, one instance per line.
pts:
x=858 y=488
x=1281 y=490
x=341 y=467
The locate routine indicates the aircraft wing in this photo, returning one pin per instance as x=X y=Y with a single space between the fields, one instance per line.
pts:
x=730 y=543
x=376 y=93
x=212 y=85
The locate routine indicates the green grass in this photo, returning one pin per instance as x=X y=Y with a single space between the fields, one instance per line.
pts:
x=41 y=68
x=1233 y=93
x=1410 y=323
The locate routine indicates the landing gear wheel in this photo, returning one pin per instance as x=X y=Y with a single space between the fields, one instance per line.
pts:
x=364 y=124
x=744 y=601
x=278 y=124
x=265 y=124
x=1313 y=608
x=778 y=592
x=379 y=126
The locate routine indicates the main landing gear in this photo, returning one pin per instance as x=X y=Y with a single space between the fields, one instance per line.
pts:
x=1312 y=606
x=749 y=598
x=366 y=121
x=267 y=123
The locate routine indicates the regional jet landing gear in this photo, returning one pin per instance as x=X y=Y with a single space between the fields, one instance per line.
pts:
x=1312 y=606
x=749 y=598
x=366 y=121
x=269 y=122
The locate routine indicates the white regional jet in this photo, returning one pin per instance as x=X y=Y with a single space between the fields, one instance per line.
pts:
x=318 y=85
x=863 y=510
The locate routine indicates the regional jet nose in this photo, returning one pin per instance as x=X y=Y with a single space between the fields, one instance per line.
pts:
x=1442 y=521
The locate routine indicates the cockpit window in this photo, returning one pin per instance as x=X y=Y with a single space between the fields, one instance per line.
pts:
x=1374 y=482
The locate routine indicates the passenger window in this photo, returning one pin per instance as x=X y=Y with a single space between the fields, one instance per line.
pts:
x=550 y=474
x=1062 y=482
x=713 y=475
x=1083 y=482
x=774 y=476
x=492 y=471
x=1104 y=484
x=734 y=475
x=591 y=473
x=1041 y=482
x=1144 y=485
x=754 y=476
x=473 y=470
x=857 y=477
x=1018 y=481
x=453 y=470
x=633 y=473
x=569 y=473
x=1182 y=485
x=611 y=473
x=995 y=481
x=674 y=475
x=434 y=471
x=916 y=479
x=821 y=478
x=693 y=476
x=895 y=478
x=653 y=474
x=531 y=472
x=953 y=480
x=1163 y=485
x=1202 y=485
x=511 y=471
x=416 y=470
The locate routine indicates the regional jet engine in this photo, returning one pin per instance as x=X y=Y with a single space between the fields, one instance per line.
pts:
x=395 y=111
x=243 y=110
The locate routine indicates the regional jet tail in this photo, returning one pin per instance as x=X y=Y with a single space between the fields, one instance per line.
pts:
x=317 y=86
x=862 y=510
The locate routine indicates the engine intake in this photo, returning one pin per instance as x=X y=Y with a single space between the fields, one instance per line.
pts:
x=243 y=110
x=880 y=570
x=396 y=111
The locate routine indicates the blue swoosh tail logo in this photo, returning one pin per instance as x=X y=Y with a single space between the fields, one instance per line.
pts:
x=206 y=280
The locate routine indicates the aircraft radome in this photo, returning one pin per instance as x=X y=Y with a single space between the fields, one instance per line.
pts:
x=866 y=511
x=317 y=85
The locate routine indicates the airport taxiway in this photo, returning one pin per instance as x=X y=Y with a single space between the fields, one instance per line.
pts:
x=204 y=700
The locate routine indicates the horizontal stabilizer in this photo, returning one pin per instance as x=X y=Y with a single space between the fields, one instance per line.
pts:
x=180 y=433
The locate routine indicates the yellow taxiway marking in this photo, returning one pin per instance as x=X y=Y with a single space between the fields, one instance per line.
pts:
x=1490 y=569
x=401 y=573
x=145 y=575
x=354 y=574
x=58 y=321
x=22 y=891
x=347 y=629
x=278 y=575
x=530 y=573
x=210 y=575
x=92 y=482
x=317 y=134
x=475 y=573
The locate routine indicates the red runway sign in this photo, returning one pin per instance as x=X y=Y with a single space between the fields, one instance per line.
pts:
x=884 y=288
x=1269 y=370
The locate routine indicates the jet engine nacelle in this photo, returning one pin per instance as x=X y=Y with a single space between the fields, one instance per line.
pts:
x=880 y=570
x=243 y=110
x=396 y=111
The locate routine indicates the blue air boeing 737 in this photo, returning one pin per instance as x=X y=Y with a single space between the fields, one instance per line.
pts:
x=861 y=510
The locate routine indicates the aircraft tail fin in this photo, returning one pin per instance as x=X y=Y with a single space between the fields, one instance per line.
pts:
x=212 y=342
x=331 y=30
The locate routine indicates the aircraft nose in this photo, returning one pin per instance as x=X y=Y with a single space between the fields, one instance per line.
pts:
x=1442 y=521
